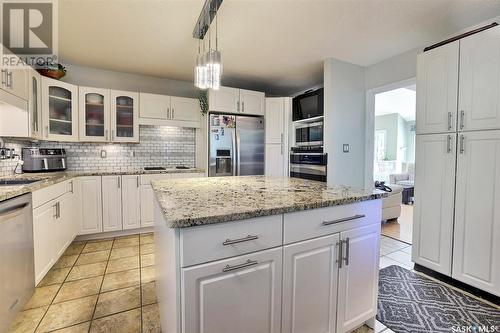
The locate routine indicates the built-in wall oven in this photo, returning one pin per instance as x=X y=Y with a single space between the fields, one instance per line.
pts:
x=309 y=133
x=308 y=163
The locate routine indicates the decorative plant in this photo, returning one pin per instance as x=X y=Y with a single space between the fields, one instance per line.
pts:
x=203 y=99
x=53 y=70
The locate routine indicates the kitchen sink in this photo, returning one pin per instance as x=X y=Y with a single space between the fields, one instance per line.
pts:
x=13 y=182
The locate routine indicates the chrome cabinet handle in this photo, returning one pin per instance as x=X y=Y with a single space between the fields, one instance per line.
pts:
x=347 y=247
x=106 y=134
x=173 y=113
x=462 y=119
x=462 y=144
x=54 y=215
x=448 y=144
x=238 y=106
x=450 y=117
x=240 y=240
x=344 y=219
x=249 y=263
x=243 y=106
x=137 y=181
x=71 y=188
x=168 y=113
x=9 y=79
x=282 y=138
x=339 y=256
x=4 y=77
x=119 y=182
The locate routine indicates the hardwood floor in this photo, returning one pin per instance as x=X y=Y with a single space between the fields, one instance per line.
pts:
x=400 y=229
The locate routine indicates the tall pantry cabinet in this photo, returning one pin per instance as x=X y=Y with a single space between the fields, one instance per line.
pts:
x=457 y=175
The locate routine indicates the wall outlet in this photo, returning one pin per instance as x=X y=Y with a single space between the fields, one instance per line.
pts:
x=103 y=153
x=345 y=148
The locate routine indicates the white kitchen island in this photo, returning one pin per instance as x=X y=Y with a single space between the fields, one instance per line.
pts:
x=258 y=255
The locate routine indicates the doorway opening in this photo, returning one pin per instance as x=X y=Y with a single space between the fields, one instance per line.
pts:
x=393 y=155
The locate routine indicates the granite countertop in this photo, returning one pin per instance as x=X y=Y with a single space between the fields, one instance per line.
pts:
x=51 y=178
x=201 y=201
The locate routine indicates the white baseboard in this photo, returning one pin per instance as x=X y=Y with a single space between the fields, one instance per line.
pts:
x=111 y=234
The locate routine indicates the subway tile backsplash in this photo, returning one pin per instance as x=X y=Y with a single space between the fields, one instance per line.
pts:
x=159 y=146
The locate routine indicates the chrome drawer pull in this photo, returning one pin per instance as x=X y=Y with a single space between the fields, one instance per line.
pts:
x=233 y=268
x=355 y=217
x=239 y=240
x=347 y=248
x=339 y=258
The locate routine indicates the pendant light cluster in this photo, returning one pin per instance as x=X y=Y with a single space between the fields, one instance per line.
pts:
x=208 y=68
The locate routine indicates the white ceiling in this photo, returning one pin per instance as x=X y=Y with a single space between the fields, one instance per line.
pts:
x=402 y=101
x=275 y=45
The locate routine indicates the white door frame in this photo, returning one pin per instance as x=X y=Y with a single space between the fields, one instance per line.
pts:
x=370 y=124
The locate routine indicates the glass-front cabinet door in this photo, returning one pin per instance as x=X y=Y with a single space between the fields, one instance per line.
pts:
x=59 y=110
x=124 y=116
x=94 y=114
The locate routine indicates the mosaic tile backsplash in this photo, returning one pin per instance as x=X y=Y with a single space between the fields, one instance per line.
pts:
x=159 y=146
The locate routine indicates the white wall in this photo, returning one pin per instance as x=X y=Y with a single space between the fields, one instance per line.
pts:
x=395 y=69
x=344 y=122
x=100 y=78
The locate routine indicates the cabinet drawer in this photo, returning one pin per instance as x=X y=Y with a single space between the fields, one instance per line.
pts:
x=218 y=241
x=324 y=221
x=51 y=192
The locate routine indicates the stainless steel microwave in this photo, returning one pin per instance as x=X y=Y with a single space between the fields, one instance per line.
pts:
x=309 y=134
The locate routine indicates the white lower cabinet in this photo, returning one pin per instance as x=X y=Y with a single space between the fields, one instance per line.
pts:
x=147 y=204
x=131 y=202
x=53 y=229
x=476 y=250
x=310 y=273
x=434 y=201
x=91 y=221
x=358 y=277
x=43 y=238
x=111 y=203
x=241 y=294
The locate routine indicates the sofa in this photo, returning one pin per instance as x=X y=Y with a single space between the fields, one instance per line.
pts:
x=391 y=206
x=406 y=178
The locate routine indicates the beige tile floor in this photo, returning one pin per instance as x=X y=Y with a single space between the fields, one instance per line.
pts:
x=97 y=286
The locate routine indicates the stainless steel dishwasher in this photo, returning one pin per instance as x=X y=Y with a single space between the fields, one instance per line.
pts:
x=17 y=272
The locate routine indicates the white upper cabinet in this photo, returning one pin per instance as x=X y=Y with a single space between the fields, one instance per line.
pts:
x=437 y=87
x=225 y=99
x=59 y=110
x=476 y=251
x=310 y=273
x=358 y=277
x=169 y=110
x=154 y=106
x=275 y=120
x=233 y=100
x=124 y=116
x=479 y=99
x=252 y=102
x=184 y=109
x=15 y=81
x=35 y=104
x=94 y=114
x=434 y=201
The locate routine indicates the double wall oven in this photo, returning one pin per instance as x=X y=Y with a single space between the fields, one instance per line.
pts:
x=307 y=159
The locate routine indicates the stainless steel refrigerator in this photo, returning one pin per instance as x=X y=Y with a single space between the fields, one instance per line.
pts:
x=236 y=145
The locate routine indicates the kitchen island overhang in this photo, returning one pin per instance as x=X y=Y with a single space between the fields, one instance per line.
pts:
x=260 y=254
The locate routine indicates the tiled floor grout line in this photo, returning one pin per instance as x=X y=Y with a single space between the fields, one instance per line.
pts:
x=102 y=282
x=59 y=289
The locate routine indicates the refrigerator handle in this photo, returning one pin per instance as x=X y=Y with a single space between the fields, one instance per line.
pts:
x=237 y=152
x=233 y=149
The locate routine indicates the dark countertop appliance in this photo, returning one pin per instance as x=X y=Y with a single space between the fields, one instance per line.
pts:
x=44 y=159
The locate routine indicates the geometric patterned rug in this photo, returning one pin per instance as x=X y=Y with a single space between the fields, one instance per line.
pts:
x=411 y=303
